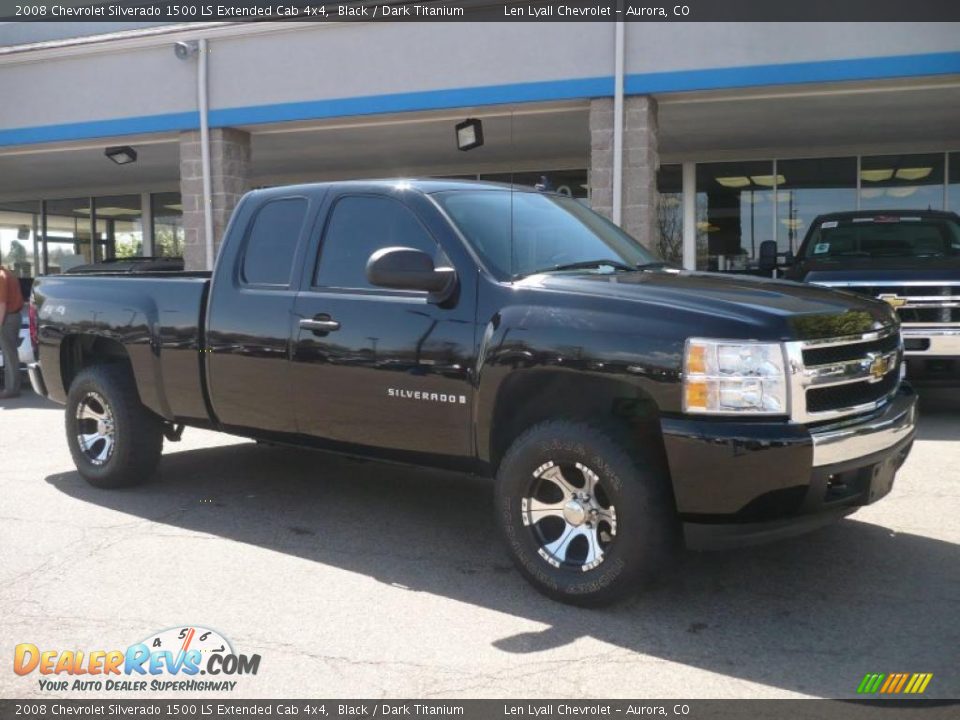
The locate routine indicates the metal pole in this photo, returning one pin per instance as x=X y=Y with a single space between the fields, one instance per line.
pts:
x=859 y=164
x=45 y=244
x=617 y=211
x=689 y=191
x=202 y=98
x=37 y=262
x=776 y=207
x=92 y=205
x=946 y=181
x=146 y=225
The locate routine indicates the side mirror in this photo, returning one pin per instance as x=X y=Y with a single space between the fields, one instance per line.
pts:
x=401 y=268
x=768 y=256
x=788 y=258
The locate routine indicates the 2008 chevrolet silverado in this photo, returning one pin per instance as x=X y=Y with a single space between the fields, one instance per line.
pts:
x=621 y=405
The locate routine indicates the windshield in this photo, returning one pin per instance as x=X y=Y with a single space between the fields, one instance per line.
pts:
x=884 y=237
x=521 y=233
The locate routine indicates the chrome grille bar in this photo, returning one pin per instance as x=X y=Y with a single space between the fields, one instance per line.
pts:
x=850 y=371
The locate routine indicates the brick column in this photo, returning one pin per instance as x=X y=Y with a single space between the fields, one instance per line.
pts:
x=640 y=162
x=229 y=171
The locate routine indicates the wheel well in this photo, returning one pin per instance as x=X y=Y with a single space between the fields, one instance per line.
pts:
x=528 y=398
x=81 y=351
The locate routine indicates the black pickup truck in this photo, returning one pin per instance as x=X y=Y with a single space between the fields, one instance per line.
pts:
x=621 y=405
x=908 y=258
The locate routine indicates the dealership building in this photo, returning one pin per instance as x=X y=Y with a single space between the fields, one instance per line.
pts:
x=703 y=140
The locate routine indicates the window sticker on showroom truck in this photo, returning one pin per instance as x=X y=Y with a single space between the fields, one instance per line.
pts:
x=620 y=405
x=172 y=660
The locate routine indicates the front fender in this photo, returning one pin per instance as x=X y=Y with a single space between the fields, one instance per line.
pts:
x=573 y=363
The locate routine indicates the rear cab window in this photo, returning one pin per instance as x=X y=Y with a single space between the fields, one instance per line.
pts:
x=272 y=242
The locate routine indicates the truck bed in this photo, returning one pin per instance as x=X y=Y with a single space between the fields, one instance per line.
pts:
x=157 y=316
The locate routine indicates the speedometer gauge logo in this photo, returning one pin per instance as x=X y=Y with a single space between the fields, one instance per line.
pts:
x=185 y=639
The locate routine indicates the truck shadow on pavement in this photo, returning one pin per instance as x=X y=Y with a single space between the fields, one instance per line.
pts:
x=28 y=400
x=809 y=615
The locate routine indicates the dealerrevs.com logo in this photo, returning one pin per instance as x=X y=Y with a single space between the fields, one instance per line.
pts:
x=184 y=659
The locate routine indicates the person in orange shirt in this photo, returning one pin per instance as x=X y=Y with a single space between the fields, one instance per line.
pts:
x=11 y=303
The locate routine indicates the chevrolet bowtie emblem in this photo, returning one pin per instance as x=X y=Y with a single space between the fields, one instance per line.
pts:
x=879 y=365
x=893 y=300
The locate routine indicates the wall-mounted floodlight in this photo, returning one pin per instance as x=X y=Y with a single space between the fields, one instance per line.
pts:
x=469 y=134
x=121 y=155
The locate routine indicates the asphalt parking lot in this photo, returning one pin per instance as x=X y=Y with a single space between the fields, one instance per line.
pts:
x=361 y=580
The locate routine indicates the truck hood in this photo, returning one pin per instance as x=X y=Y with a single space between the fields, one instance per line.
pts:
x=880 y=270
x=752 y=307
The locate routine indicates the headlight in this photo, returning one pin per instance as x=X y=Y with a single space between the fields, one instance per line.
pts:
x=722 y=377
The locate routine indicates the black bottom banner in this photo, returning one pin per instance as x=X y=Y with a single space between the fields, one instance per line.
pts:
x=486 y=709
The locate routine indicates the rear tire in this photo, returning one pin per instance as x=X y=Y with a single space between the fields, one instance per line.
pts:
x=585 y=520
x=114 y=440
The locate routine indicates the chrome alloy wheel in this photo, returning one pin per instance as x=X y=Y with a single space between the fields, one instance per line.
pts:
x=95 y=428
x=571 y=518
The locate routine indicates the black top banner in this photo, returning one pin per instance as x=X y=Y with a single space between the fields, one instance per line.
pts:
x=189 y=11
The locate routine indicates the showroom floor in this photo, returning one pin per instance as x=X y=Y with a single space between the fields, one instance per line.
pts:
x=359 y=580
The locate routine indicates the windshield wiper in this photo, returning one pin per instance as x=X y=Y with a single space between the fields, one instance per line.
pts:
x=582 y=265
x=655 y=265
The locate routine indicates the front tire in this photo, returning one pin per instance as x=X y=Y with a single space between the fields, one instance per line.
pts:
x=114 y=440
x=585 y=521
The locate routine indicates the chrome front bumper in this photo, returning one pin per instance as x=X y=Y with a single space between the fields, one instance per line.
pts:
x=36 y=379
x=892 y=427
x=943 y=342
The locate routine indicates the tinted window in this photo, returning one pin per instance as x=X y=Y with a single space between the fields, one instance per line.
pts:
x=518 y=233
x=358 y=227
x=273 y=241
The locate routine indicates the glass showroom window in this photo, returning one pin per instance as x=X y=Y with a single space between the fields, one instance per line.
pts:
x=670 y=213
x=808 y=188
x=19 y=231
x=167 y=212
x=953 y=189
x=735 y=213
x=119 y=223
x=66 y=234
x=901 y=182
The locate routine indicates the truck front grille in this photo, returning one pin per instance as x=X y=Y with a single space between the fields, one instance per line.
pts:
x=921 y=302
x=850 y=395
x=839 y=377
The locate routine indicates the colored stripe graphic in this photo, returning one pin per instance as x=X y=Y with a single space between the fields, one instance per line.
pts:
x=894 y=683
x=871 y=683
x=918 y=683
